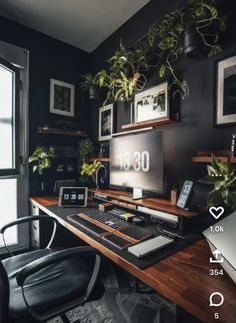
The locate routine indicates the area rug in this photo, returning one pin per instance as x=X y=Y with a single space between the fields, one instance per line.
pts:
x=125 y=300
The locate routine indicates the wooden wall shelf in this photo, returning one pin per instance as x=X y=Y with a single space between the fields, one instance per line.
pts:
x=56 y=131
x=152 y=123
x=101 y=159
x=205 y=157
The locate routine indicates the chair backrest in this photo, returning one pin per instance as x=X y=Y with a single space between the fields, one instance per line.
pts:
x=4 y=294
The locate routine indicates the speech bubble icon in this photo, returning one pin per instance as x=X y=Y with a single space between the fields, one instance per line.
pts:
x=218 y=299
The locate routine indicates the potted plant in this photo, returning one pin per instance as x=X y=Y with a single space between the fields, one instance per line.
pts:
x=202 y=25
x=223 y=177
x=42 y=158
x=175 y=35
x=125 y=76
x=89 y=170
x=85 y=150
x=89 y=84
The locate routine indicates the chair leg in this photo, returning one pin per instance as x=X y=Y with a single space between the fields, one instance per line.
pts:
x=64 y=318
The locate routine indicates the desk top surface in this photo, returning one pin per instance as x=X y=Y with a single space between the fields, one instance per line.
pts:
x=183 y=277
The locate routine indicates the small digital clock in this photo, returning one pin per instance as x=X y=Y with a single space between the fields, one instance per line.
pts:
x=73 y=197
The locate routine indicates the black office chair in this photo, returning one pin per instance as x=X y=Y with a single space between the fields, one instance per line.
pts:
x=39 y=285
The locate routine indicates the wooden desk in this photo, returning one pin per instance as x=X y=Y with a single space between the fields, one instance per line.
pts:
x=183 y=277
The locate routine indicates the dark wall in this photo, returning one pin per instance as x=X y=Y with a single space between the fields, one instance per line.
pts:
x=195 y=132
x=49 y=58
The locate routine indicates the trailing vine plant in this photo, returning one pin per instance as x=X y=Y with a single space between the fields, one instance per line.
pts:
x=164 y=43
x=166 y=37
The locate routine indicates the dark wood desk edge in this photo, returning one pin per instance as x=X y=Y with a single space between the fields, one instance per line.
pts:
x=186 y=295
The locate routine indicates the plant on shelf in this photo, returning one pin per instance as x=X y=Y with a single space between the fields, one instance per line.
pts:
x=90 y=169
x=166 y=37
x=42 y=157
x=125 y=76
x=90 y=85
x=85 y=150
x=190 y=30
x=223 y=177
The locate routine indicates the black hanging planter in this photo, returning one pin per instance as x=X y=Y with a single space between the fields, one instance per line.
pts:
x=94 y=92
x=191 y=45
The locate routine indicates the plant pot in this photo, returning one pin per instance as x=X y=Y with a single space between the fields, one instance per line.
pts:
x=191 y=44
x=94 y=92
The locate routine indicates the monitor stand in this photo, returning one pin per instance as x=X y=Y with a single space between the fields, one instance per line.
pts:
x=135 y=195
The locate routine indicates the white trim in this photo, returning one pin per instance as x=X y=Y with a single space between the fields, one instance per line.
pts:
x=220 y=117
x=52 y=109
x=101 y=110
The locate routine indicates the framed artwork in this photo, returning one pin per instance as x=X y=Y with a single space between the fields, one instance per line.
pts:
x=152 y=103
x=226 y=92
x=105 y=122
x=62 y=98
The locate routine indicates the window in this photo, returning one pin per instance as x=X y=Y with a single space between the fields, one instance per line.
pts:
x=9 y=83
x=13 y=142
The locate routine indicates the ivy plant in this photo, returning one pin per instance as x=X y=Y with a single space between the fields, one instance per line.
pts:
x=166 y=37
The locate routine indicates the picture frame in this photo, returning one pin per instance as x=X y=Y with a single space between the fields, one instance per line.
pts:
x=105 y=122
x=152 y=103
x=62 y=98
x=225 y=113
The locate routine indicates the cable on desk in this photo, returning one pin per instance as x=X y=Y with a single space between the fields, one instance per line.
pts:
x=169 y=233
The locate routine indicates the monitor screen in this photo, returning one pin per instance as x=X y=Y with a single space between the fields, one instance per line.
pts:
x=137 y=161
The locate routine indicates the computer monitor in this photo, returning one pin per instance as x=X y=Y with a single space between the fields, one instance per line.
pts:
x=136 y=161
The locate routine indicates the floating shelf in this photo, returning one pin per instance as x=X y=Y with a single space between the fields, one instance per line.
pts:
x=56 y=131
x=152 y=123
x=205 y=157
x=101 y=159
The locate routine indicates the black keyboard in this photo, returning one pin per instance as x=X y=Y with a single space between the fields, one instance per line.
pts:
x=106 y=218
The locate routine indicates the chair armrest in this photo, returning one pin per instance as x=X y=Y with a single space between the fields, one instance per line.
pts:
x=58 y=256
x=27 y=219
x=45 y=261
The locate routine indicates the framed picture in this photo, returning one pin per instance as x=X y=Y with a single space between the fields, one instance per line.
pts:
x=62 y=98
x=152 y=103
x=226 y=92
x=105 y=122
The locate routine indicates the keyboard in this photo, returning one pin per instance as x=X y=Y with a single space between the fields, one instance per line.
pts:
x=106 y=218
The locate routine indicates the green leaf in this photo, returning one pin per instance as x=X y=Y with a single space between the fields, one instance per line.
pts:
x=162 y=70
x=166 y=43
x=215 y=165
x=214 y=51
x=211 y=180
x=214 y=198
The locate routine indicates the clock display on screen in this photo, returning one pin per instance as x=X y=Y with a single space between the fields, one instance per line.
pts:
x=73 y=196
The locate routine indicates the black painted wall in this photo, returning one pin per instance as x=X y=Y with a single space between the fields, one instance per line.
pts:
x=49 y=58
x=195 y=132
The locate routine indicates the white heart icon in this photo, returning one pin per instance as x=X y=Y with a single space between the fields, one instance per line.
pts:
x=216 y=212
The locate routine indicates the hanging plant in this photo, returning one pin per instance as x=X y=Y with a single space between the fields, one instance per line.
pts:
x=191 y=30
x=197 y=17
x=90 y=85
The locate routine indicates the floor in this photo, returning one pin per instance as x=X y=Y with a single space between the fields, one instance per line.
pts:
x=125 y=301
